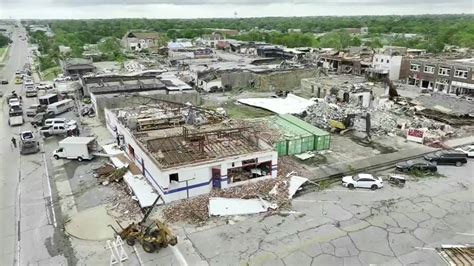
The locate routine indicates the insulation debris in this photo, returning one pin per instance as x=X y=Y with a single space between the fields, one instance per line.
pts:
x=293 y=184
x=227 y=206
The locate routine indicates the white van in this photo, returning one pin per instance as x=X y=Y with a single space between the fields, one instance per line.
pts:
x=59 y=121
x=61 y=106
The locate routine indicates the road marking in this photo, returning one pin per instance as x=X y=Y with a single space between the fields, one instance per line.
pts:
x=342 y=190
x=423 y=248
x=464 y=234
x=302 y=200
x=138 y=256
x=179 y=256
x=55 y=224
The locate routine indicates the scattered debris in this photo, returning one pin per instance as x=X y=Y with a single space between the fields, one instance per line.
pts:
x=305 y=156
x=227 y=206
x=292 y=104
x=295 y=182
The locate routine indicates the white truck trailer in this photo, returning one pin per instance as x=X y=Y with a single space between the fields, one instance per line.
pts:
x=78 y=148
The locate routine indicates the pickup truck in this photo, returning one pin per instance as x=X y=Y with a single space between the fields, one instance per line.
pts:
x=63 y=129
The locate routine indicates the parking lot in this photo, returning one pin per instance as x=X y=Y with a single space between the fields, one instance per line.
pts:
x=393 y=225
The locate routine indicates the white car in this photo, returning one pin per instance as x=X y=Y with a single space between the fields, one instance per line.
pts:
x=469 y=150
x=14 y=102
x=362 y=181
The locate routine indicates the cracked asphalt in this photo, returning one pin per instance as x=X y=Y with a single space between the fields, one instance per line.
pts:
x=391 y=226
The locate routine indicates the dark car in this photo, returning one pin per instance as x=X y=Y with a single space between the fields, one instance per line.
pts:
x=4 y=82
x=423 y=166
x=453 y=157
x=39 y=118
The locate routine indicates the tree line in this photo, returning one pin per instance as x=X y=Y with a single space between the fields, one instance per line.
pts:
x=434 y=31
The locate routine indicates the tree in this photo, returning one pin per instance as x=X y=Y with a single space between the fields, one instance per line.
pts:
x=4 y=41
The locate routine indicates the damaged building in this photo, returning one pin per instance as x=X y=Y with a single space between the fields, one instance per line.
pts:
x=448 y=76
x=185 y=151
x=266 y=79
x=124 y=91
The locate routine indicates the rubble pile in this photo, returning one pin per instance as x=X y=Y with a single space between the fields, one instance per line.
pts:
x=195 y=210
x=120 y=206
x=262 y=129
x=384 y=120
x=109 y=173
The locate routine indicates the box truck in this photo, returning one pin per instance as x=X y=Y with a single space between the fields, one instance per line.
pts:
x=79 y=148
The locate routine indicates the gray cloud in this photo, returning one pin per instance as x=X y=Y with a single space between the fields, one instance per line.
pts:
x=465 y=3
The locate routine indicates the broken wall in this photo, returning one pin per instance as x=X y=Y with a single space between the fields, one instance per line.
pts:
x=278 y=80
x=119 y=101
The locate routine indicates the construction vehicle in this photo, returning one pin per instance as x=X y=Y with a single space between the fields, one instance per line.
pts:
x=152 y=237
x=348 y=124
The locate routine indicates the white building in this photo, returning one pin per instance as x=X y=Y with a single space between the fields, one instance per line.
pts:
x=137 y=41
x=182 y=162
x=387 y=64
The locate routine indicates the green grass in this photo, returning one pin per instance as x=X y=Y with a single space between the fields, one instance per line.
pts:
x=50 y=73
x=3 y=54
x=243 y=111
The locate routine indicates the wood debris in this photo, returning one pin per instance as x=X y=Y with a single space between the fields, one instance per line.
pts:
x=195 y=210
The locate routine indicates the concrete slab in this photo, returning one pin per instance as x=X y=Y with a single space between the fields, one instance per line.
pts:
x=91 y=224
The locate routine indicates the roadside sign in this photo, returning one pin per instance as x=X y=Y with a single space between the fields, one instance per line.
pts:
x=416 y=135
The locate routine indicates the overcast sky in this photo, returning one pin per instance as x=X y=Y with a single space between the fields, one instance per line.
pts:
x=78 y=9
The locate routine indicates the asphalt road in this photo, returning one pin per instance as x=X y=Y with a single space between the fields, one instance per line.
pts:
x=29 y=230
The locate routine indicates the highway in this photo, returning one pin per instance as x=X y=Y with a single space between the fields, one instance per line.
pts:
x=29 y=230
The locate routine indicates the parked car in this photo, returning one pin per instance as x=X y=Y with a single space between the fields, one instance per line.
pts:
x=4 y=82
x=34 y=109
x=362 y=181
x=31 y=92
x=420 y=165
x=40 y=118
x=454 y=157
x=468 y=150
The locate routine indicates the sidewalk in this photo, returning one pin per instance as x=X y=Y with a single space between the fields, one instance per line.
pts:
x=342 y=168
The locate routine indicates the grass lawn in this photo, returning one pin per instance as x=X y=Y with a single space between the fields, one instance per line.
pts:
x=50 y=73
x=3 y=55
x=243 y=111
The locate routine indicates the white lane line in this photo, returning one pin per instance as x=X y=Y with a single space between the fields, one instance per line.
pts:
x=55 y=224
x=140 y=262
x=464 y=234
x=179 y=256
x=18 y=200
x=348 y=190
x=423 y=248
x=303 y=200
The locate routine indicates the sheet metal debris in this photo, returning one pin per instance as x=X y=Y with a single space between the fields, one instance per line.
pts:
x=293 y=184
x=141 y=189
x=292 y=104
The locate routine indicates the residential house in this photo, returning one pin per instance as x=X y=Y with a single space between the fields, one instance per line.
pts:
x=139 y=40
x=77 y=66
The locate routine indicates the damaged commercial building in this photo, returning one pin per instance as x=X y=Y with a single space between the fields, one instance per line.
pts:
x=266 y=79
x=448 y=76
x=125 y=91
x=185 y=151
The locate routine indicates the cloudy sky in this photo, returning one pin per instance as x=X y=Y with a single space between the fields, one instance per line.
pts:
x=77 y=9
